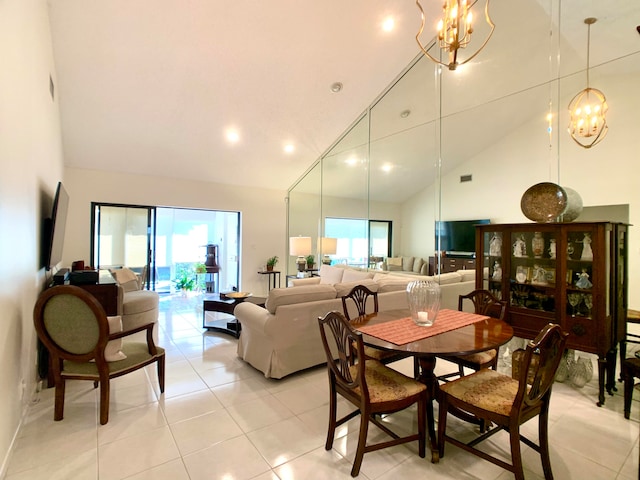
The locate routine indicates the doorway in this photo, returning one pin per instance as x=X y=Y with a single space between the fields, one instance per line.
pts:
x=171 y=243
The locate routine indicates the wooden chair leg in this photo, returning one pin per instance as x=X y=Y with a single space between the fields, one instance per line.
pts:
x=628 y=391
x=362 y=443
x=332 y=419
x=58 y=412
x=422 y=426
x=516 y=454
x=104 y=402
x=161 y=373
x=543 y=433
x=442 y=423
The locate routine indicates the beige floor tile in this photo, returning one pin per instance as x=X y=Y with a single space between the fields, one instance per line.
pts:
x=136 y=453
x=177 y=409
x=204 y=431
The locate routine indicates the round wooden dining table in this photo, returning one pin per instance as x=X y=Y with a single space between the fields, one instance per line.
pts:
x=482 y=335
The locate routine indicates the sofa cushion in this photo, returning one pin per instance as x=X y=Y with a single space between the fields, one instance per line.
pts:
x=354 y=275
x=417 y=265
x=344 y=288
x=407 y=264
x=139 y=301
x=467 y=275
x=391 y=283
x=305 y=293
x=330 y=275
x=446 y=278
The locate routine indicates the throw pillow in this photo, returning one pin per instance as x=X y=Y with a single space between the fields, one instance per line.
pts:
x=353 y=275
x=113 y=350
x=407 y=264
x=417 y=265
x=126 y=277
x=330 y=275
x=395 y=261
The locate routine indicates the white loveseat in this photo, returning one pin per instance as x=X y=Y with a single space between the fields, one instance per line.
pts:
x=284 y=337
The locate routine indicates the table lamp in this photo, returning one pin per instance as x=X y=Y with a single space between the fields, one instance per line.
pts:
x=300 y=247
x=328 y=246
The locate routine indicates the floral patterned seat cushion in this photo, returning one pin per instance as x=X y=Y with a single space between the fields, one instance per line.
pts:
x=486 y=389
x=386 y=384
x=480 y=358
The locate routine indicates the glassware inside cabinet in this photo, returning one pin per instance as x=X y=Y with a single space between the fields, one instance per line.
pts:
x=492 y=266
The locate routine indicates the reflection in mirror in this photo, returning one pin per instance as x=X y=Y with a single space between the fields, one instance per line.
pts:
x=304 y=211
x=345 y=200
x=487 y=122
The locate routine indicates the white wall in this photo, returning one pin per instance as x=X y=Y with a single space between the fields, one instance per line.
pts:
x=262 y=213
x=30 y=167
x=603 y=175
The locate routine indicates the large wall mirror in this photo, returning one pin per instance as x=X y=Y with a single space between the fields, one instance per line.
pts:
x=404 y=160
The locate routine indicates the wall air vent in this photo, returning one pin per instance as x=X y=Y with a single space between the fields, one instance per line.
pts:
x=465 y=178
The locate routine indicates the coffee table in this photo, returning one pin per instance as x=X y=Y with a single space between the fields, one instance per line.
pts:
x=220 y=312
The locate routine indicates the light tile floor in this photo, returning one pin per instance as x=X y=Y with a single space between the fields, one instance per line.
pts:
x=221 y=419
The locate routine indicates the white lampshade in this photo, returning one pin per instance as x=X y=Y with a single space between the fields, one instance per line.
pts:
x=300 y=246
x=329 y=246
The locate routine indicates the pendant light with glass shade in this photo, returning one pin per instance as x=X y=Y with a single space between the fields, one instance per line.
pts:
x=588 y=123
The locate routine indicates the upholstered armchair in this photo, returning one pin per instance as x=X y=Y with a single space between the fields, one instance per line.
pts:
x=136 y=306
x=85 y=344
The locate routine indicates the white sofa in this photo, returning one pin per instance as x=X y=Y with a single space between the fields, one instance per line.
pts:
x=406 y=264
x=284 y=337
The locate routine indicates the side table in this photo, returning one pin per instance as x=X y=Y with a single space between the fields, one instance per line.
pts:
x=220 y=317
x=273 y=275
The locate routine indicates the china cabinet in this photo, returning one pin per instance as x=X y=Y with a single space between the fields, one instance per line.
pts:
x=572 y=274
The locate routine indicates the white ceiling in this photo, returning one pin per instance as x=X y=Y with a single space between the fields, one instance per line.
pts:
x=151 y=86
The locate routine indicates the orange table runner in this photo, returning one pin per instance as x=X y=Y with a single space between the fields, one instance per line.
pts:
x=404 y=330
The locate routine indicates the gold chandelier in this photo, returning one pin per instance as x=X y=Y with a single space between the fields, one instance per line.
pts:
x=454 y=30
x=588 y=124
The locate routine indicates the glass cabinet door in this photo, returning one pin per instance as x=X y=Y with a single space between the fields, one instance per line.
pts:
x=533 y=270
x=492 y=263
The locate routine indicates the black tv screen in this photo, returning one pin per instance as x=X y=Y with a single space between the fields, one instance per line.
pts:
x=55 y=227
x=457 y=237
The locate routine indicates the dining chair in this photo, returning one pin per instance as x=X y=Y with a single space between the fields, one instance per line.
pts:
x=360 y=295
x=508 y=402
x=370 y=386
x=484 y=303
x=75 y=329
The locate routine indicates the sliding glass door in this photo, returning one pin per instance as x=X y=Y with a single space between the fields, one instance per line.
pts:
x=172 y=243
x=124 y=236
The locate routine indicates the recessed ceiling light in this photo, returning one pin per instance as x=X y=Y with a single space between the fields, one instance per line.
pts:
x=289 y=148
x=387 y=167
x=232 y=135
x=405 y=113
x=336 y=87
x=388 y=24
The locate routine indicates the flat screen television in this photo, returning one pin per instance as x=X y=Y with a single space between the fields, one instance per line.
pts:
x=55 y=227
x=457 y=237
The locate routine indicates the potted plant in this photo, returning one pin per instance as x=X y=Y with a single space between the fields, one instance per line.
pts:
x=271 y=262
x=310 y=261
x=185 y=280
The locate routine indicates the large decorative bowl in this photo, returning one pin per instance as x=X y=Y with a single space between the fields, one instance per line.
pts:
x=544 y=202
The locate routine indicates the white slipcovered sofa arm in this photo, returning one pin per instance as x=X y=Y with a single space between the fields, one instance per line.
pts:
x=297 y=282
x=252 y=316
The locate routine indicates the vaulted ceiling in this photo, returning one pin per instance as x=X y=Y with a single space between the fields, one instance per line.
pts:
x=154 y=86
